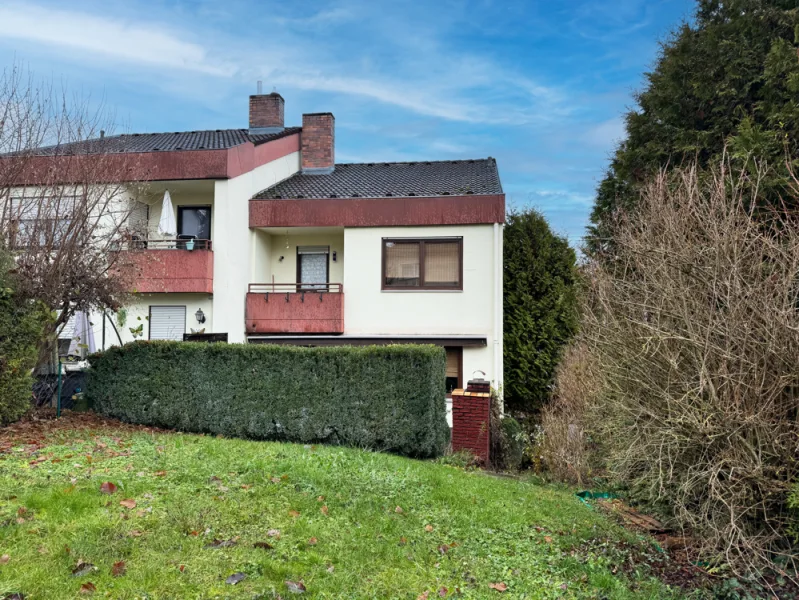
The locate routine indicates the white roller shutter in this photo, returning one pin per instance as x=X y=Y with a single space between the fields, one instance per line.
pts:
x=167 y=322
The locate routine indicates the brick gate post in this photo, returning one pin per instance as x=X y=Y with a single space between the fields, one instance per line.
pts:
x=471 y=419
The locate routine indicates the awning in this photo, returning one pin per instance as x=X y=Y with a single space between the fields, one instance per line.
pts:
x=462 y=341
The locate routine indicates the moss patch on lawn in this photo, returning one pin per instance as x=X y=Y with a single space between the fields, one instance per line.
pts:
x=192 y=516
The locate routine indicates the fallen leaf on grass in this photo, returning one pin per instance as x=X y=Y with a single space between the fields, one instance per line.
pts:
x=403 y=541
x=82 y=568
x=423 y=596
x=263 y=545
x=324 y=510
x=119 y=568
x=4 y=559
x=442 y=592
x=88 y=588
x=129 y=503
x=275 y=533
x=428 y=528
x=246 y=486
x=108 y=488
x=275 y=480
x=43 y=550
x=331 y=568
x=500 y=587
x=547 y=539
x=296 y=587
x=320 y=498
x=235 y=578
x=181 y=568
x=443 y=549
x=398 y=510
x=135 y=533
x=160 y=473
x=294 y=513
x=312 y=542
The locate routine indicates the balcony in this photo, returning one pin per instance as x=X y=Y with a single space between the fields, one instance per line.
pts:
x=295 y=308
x=162 y=266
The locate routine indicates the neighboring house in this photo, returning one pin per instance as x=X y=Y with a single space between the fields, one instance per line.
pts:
x=291 y=248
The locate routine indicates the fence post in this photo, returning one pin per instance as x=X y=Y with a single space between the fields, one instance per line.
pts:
x=58 y=401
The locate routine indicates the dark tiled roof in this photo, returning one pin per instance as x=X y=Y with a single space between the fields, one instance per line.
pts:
x=218 y=139
x=380 y=180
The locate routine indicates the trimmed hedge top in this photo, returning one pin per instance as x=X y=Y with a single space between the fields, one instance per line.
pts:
x=383 y=397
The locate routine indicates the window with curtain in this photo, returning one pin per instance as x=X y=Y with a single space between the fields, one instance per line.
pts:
x=453 y=375
x=430 y=263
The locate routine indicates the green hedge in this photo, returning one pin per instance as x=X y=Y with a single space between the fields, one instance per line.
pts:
x=388 y=398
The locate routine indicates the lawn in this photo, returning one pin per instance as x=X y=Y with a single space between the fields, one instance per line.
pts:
x=92 y=507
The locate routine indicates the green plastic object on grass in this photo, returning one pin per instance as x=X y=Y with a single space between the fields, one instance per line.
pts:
x=586 y=495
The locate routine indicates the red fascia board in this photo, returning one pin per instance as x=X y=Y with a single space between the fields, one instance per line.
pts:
x=378 y=212
x=154 y=166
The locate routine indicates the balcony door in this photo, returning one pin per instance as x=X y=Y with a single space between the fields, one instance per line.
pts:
x=194 y=221
x=313 y=267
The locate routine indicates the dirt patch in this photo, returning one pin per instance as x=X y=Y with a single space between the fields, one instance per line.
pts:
x=41 y=427
x=677 y=563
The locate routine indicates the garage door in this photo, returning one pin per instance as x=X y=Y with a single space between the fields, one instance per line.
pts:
x=167 y=322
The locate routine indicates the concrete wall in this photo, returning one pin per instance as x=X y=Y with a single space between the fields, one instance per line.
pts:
x=285 y=271
x=137 y=312
x=370 y=310
x=235 y=245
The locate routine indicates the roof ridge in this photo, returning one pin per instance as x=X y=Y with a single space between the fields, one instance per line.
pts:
x=416 y=162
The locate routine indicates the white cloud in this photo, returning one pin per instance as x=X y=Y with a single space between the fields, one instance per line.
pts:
x=431 y=80
x=143 y=43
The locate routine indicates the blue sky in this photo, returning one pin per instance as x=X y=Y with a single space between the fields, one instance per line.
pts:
x=541 y=86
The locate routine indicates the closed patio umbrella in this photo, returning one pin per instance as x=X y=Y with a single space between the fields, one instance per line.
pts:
x=82 y=336
x=166 y=225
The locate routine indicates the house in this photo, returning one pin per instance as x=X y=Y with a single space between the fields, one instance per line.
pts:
x=277 y=243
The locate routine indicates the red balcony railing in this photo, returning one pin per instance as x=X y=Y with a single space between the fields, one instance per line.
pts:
x=295 y=308
x=174 y=265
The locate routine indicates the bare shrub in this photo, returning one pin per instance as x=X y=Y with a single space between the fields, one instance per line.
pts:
x=694 y=325
x=66 y=195
x=567 y=447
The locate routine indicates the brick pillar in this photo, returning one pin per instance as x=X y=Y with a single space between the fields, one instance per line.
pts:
x=471 y=414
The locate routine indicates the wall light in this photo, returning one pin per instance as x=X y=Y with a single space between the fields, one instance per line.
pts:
x=200 y=315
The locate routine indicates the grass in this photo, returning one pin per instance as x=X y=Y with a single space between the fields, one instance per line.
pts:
x=343 y=523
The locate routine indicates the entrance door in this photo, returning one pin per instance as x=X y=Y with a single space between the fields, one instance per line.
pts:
x=313 y=267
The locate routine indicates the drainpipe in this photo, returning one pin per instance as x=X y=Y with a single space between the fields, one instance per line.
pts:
x=497 y=303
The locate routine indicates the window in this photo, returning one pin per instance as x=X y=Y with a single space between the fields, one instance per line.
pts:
x=194 y=221
x=41 y=221
x=167 y=322
x=454 y=368
x=431 y=263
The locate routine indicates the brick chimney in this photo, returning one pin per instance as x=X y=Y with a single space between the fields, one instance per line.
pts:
x=318 y=143
x=266 y=113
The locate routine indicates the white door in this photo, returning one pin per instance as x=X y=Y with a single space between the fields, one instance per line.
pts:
x=313 y=267
x=167 y=322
